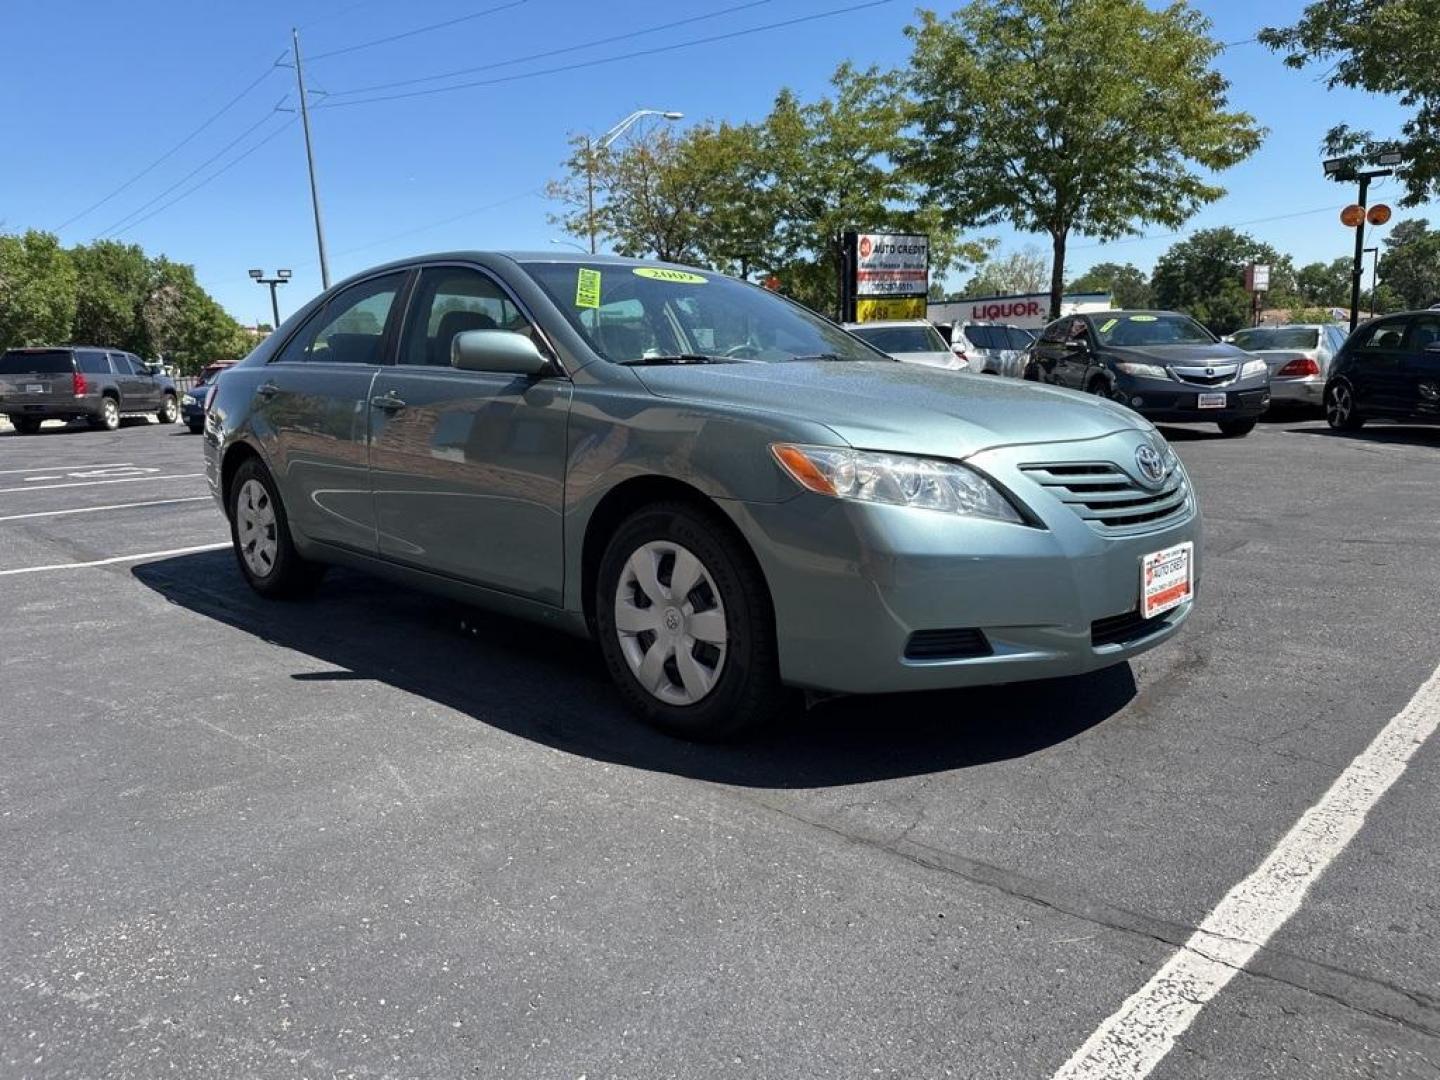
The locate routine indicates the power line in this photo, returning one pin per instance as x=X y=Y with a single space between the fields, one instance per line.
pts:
x=444 y=221
x=171 y=152
x=417 y=30
x=1233 y=224
x=831 y=13
x=554 y=52
x=124 y=221
x=213 y=176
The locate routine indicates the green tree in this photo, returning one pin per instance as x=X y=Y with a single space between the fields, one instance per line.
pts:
x=1204 y=277
x=37 y=290
x=1324 y=284
x=1127 y=284
x=1066 y=116
x=1384 y=47
x=1410 y=264
x=113 y=282
x=1023 y=271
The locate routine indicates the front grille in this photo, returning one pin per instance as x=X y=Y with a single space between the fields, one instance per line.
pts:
x=1109 y=499
x=1124 y=629
x=962 y=643
x=1207 y=376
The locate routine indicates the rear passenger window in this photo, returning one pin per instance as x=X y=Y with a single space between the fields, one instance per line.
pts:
x=350 y=329
x=1424 y=332
x=93 y=363
x=980 y=336
x=1018 y=338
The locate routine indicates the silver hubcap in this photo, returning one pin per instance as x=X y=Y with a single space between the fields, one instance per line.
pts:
x=671 y=622
x=109 y=413
x=255 y=528
x=170 y=409
x=1339 y=405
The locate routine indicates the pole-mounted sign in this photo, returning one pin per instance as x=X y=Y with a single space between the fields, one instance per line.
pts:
x=887 y=276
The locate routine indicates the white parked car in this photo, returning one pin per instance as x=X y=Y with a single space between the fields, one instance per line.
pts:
x=913 y=341
x=992 y=348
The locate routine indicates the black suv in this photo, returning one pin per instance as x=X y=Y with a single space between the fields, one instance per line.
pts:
x=1164 y=365
x=76 y=381
x=1388 y=369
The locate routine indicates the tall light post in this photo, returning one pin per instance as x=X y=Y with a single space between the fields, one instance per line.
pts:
x=1344 y=169
x=281 y=277
x=1374 y=274
x=594 y=146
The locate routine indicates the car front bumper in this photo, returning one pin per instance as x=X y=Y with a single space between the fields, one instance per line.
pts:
x=852 y=582
x=1173 y=402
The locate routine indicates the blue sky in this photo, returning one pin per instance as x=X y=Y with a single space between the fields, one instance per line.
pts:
x=97 y=91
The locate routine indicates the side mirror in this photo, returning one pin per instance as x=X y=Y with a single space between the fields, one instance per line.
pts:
x=502 y=351
x=1073 y=345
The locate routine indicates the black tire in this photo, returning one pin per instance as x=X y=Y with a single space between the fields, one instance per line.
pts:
x=288 y=575
x=1341 y=412
x=26 y=425
x=169 y=410
x=1236 y=429
x=197 y=427
x=1032 y=373
x=108 y=418
x=747 y=692
x=1098 y=386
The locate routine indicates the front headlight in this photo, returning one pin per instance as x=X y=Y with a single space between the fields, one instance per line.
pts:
x=187 y=399
x=1142 y=371
x=895 y=479
x=1252 y=368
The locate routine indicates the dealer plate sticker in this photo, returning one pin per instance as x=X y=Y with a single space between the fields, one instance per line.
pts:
x=1166 y=579
x=35 y=388
x=1211 y=401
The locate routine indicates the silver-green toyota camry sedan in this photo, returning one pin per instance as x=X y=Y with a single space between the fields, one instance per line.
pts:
x=730 y=493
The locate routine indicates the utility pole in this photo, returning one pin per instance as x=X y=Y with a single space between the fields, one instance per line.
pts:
x=590 y=191
x=1374 y=275
x=310 y=160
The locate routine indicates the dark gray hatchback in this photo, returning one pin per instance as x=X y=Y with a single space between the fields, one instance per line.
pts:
x=78 y=382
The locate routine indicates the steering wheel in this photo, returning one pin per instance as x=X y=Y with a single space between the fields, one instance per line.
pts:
x=743 y=351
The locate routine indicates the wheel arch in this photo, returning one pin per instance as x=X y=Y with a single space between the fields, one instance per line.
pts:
x=236 y=455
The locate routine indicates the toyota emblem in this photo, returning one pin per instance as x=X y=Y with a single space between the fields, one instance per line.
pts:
x=1150 y=464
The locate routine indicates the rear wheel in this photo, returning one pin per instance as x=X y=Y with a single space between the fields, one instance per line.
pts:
x=686 y=626
x=1236 y=429
x=260 y=533
x=26 y=425
x=169 y=411
x=109 y=416
x=1340 y=411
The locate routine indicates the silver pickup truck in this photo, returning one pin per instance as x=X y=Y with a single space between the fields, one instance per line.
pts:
x=79 y=382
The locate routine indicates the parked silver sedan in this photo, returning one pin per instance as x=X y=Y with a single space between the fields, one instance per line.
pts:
x=728 y=492
x=911 y=341
x=1298 y=356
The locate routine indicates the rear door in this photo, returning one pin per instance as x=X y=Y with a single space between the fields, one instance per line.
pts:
x=36 y=378
x=312 y=411
x=1420 y=369
x=468 y=467
x=1377 y=353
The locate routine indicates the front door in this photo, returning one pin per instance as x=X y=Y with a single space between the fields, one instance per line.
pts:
x=1420 y=369
x=1376 y=374
x=467 y=467
x=314 y=415
x=1072 y=367
x=136 y=387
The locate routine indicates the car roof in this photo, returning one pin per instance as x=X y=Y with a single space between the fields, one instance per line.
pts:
x=887 y=322
x=1122 y=312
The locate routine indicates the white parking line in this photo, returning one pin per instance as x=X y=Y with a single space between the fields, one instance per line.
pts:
x=1141 y=1032
x=97 y=509
x=102 y=465
x=92 y=483
x=115 y=559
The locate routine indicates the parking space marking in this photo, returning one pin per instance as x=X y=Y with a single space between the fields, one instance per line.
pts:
x=116 y=559
x=92 y=483
x=102 y=465
x=1134 y=1039
x=97 y=509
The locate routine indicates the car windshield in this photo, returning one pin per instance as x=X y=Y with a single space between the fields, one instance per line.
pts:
x=902 y=339
x=35 y=362
x=1142 y=328
x=1279 y=337
x=634 y=314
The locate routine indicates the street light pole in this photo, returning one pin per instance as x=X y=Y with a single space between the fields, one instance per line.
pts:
x=281 y=277
x=310 y=161
x=1374 y=275
x=1344 y=169
x=592 y=146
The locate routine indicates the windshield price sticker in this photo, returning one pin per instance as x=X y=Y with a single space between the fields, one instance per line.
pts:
x=587 y=288
x=1109 y=325
x=1143 y=318
x=679 y=277
x=1166 y=579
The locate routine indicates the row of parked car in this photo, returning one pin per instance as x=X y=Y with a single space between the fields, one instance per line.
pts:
x=1170 y=369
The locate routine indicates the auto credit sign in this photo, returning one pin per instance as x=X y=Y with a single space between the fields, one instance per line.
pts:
x=891 y=264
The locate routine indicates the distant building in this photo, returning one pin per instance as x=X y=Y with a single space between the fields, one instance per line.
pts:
x=1030 y=310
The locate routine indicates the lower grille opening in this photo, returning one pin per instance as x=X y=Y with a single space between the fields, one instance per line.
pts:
x=956 y=644
x=1123 y=629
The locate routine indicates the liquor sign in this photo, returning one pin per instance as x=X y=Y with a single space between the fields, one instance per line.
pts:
x=1257 y=278
x=888 y=276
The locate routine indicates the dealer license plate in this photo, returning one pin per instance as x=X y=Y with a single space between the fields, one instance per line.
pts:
x=1166 y=579
x=1210 y=401
x=35 y=388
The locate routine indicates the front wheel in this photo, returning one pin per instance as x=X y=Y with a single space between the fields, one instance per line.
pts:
x=26 y=425
x=686 y=626
x=169 y=412
x=1236 y=429
x=260 y=533
x=1340 y=411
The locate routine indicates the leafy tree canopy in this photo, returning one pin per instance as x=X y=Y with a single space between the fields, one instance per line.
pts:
x=1127 y=284
x=1410 y=264
x=1203 y=276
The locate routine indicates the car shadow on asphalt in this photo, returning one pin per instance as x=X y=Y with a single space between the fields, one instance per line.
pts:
x=1380 y=434
x=546 y=686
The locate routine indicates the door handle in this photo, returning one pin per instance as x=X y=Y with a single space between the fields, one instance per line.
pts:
x=267 y=389
x=389 y=402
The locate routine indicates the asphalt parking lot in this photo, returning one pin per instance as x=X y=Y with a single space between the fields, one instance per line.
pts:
x=374 y=834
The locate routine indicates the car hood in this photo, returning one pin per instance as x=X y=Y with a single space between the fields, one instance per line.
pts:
x=1220 y=352
x=906 y=408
